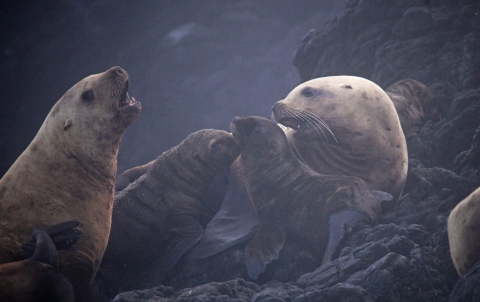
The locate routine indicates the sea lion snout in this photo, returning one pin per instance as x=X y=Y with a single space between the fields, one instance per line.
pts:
x=117 y=71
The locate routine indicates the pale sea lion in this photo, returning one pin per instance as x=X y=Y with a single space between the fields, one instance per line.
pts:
x=36 y=278
x=340 y=125
x=346 y=125
x=68 y=172
x=167 y=206
x=464 y=233
x=290 y=198
x=415 y=104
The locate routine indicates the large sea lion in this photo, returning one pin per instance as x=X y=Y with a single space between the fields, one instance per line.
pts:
x=68 y=172
x=415 y=104
x=36 y=279
x=290 y=198
x=464 y=233
x=339 y=125
x=162 y=214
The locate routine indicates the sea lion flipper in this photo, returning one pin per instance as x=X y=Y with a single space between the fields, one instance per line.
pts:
x=189 y=232
x=123 y=180
x=263 y=249
x=63 y=235
x=45 y=250
x=339 y=224
x=235 y=222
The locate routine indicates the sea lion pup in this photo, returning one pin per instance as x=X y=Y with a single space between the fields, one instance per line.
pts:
x=167 y=206
x=339 y=125
x=291 y=198
x=415 y=104
x=36 y=279
x=68 y=172
x=463 y=233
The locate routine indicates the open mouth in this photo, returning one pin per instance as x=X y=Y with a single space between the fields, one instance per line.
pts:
x=125 y=99
x=291 y=122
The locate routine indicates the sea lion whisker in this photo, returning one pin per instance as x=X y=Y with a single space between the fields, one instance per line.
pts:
x=322 y=122
x=314 y=125
x=298 y=152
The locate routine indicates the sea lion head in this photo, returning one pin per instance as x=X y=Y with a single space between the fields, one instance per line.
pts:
x=94 y=111
x=259 y=135
x=215 y=148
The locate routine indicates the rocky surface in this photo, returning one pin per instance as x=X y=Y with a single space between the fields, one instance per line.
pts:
x=405 y=257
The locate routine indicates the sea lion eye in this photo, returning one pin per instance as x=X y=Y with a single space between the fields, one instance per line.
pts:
x=307 y=91
x=87 y=96
x=256 y=129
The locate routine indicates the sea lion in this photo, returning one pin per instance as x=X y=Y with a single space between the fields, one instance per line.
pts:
x=167 y=206
x=415 y=104
x=36 y=278
x=290 y=198
x=339 y=125
x=68 y=172
x=463 y=233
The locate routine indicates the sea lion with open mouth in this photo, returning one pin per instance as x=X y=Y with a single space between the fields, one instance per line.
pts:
x=68 y=173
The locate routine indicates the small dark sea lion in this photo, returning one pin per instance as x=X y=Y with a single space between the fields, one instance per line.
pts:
x=167 y=206
x=36 y=279
x=415 y=104
x=291 y=198
x=68 y=172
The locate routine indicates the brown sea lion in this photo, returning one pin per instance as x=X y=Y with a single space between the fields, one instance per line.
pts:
x=68 y=172
x=36 y=278
x=415 y=104
x=464 y=233
x=167 y=206
x=340 y=125
x=290 y=198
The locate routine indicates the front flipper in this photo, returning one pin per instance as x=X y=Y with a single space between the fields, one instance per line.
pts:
x=339 y=224
x=188 y=232
x=263 y=249
x=123 y=180
x=235 y=222
x=63 y=235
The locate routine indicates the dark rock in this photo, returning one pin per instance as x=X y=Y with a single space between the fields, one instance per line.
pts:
x=467 y=289
x=340 y=292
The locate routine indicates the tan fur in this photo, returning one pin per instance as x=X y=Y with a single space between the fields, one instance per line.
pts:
x=369 y=144
x=68 y=173
x=464 y=233
x=415 y=104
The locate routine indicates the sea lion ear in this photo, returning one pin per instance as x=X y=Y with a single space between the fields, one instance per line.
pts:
x=382 y=196
x=68 y=124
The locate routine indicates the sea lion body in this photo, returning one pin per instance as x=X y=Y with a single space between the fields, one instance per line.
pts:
x=35 y=279
x=415 y=104
x=463 y=233
x=345 y=125
x=68 y=172
x=167 y=206
x=290 y=198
